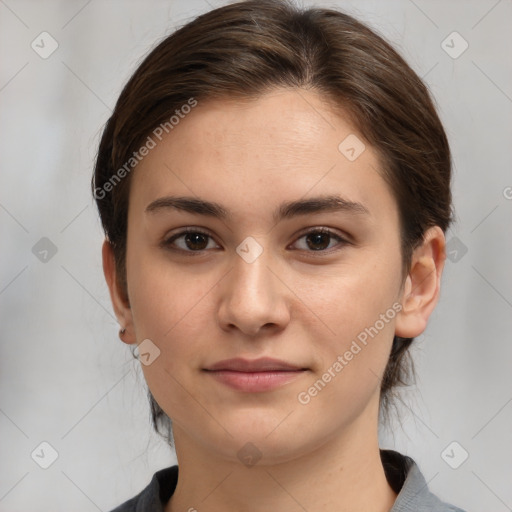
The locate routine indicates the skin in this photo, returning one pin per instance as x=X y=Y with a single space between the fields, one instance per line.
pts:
x=293 y=303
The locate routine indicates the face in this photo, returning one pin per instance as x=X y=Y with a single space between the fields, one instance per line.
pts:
x=297 y=258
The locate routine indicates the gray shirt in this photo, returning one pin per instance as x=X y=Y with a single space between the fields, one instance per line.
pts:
x=402 y=473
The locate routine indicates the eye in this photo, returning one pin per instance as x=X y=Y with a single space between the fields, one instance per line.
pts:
x=190 y=240
x=320 y=239
x=195 y=241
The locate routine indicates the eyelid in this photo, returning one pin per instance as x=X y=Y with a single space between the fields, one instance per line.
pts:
x=324 y=229
x=341 y=238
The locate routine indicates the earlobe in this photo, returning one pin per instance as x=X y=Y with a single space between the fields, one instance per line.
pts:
x=422 y=285
x=119 y=302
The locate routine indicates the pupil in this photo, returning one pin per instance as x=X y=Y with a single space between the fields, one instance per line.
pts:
x=196 y=241
x=321 y=239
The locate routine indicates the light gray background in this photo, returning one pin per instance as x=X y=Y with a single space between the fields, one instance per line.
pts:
x=66 y=378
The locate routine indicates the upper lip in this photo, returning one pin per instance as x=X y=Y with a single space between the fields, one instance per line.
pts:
x=264 y=364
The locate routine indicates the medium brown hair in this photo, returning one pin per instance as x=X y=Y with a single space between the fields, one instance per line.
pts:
x=245 y=49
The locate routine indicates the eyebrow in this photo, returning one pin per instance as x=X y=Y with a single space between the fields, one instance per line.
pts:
x=287 y=210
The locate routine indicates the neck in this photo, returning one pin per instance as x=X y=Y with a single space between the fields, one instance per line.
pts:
x=344 y=474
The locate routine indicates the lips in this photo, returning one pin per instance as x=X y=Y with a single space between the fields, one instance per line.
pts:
x=256 y=376
x=264 y=364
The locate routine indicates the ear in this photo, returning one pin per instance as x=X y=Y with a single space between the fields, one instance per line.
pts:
x=119 y=302
x=422 y=285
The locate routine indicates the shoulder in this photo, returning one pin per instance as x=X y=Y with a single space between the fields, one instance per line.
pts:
x=153 y=497
x=407 y=480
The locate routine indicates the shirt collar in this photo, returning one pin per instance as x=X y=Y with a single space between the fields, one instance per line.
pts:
x=402 y=473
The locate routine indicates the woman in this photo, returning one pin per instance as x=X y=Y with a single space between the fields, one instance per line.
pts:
x=274 y=186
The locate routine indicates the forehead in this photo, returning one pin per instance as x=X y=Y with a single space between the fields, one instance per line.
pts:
x=256 y=153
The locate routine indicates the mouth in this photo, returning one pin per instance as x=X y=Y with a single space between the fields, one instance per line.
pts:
x=258 y=375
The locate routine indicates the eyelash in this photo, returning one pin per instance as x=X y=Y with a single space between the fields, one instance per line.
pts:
x=167 y=243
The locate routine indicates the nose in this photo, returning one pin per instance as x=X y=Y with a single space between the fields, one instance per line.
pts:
x=253 y=299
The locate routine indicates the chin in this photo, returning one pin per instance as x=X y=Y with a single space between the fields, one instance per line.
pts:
x=256 y=439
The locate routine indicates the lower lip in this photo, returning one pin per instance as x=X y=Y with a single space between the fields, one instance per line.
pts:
x=254 y=382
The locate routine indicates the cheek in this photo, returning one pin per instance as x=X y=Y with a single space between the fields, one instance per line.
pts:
x=160 y=296
x=169 y=307
x=359 y=306
x=350 y=363
x=353 y=296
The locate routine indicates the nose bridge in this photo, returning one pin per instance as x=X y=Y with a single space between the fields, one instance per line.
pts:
x=251 y=280
x=251 y=296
